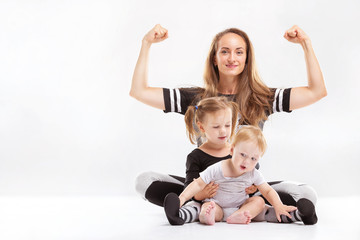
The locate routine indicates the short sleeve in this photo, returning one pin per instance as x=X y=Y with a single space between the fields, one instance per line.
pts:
x=210 y=173
x=280 y=101
x=179 y=99
x=258 y=178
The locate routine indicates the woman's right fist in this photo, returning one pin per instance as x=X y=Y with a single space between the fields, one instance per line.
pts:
x=157 y=34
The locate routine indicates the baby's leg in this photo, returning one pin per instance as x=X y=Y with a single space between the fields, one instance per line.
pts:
x=210 y=213
x=250 y=209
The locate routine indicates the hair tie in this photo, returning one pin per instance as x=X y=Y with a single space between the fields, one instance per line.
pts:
x=196 y=107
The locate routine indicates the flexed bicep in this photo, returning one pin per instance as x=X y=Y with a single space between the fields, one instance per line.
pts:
x=139 y=86
x=315 y=89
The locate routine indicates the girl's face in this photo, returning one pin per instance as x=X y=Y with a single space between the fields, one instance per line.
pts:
x=217 y=126
x=245 y=156
x=231 y=56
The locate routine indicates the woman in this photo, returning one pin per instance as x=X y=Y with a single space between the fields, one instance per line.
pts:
x=230 y=71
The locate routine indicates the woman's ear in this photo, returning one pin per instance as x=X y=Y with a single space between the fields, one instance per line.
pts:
x=231 y=150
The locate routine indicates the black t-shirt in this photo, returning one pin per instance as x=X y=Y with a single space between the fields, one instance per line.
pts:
x=197 y=161
x=179 y=99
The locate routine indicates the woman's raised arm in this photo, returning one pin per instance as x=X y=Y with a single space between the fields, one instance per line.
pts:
x=304 y=96
x=139 y=86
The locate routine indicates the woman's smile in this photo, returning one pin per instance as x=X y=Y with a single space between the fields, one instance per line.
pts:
x=232 y=66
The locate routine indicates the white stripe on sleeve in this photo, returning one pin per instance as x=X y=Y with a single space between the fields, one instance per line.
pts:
x=275 y=96
x=281 y=100
x=178 y=99
x=172 y=100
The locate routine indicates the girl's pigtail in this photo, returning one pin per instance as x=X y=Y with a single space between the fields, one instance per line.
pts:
x=189 y=119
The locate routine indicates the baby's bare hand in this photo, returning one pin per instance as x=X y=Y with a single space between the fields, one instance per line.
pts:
x=284 y=210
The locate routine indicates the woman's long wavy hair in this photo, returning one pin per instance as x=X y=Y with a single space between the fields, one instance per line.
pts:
x=252 y=95
x=207 y=106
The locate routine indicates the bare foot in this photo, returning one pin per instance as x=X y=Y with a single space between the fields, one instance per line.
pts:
x=239 y=218
x=207 y=215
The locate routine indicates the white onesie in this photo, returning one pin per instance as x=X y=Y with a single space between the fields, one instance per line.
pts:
x=231 y=193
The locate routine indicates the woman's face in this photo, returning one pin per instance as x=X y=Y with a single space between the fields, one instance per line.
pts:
x=230 y=56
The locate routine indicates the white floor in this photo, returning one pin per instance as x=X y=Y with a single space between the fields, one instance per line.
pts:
x=130 y=217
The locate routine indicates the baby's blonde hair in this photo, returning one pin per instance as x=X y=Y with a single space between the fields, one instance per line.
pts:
x=252 y=134
x=205 y=106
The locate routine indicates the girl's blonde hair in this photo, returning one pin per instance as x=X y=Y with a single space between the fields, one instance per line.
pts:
x=253 y=134
x=195 y=114
x=252 y=95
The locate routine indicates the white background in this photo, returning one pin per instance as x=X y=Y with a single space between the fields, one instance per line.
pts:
x=69 y=127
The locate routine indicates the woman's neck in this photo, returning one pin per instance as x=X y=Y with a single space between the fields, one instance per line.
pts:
x=227 y=84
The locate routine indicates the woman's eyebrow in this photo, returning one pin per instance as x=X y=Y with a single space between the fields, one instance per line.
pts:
x=229 y=48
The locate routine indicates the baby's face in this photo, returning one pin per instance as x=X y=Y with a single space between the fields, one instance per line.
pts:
x=245 y=156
